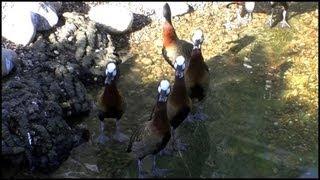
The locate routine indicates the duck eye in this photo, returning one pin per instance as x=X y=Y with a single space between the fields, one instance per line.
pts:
x=180 y=67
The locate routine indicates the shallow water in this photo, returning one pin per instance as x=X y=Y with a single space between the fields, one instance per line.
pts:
x=257 y=125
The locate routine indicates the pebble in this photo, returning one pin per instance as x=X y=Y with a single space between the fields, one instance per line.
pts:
x=234 y=37
x=150 y=76
x=70 y=27
x=247 y=65
x=157 y=70
x=275 y=170
x=146 y=61
x=70 y=38
x=44 y=15
x=137 y=70
x=56 y=52
x=246 y=59
x=159 y=43
x=18 y=27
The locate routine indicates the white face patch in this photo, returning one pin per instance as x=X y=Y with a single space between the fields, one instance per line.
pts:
x=111 y=68
x=197 y=35
x=164 y=86
x=249 y=6
x=179 y=62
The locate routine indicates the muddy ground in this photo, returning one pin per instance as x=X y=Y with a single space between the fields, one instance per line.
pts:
x=52 y=91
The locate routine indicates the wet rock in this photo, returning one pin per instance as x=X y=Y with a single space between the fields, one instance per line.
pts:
x=80 y=44
x=51 y=137
x=87 y=61
x=21 y=20
x=44 y=15
x=8 y=58
x=48 y=88
x=104 y=14
x=65 y=31
x=56 y=6
x=33 y=103
x=17 y=26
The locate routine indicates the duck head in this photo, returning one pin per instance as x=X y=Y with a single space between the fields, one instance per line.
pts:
x=167 y=12
x=163 y=90
x=249 y=6
x=179 y=66
x=197 y=38
x=111 y=72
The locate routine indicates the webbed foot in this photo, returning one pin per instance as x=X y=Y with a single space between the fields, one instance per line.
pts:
x=120 y=137
x=284 y=24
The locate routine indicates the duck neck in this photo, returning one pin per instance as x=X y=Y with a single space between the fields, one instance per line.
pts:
x=110 y=88
x=196 y=56
x=179 y=86
x=169 y=34
x=160 y=120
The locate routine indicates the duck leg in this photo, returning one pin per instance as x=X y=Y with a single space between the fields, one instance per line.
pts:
x=247 y=19
x=199 y=113
x=196 y=114
x=177 y=145
x=119 y=136
x=174 y=144
x=165 y=152
x=239 y=19
x=250 y=16
x=284 y=23
x=270 y=19
x=156 y=171
x=228 y=25
x=102 y=139
x=141 y=174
